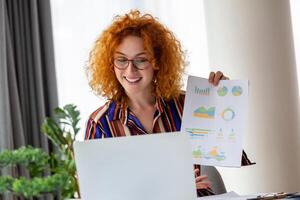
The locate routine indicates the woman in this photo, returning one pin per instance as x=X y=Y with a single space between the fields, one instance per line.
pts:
x=137 y=63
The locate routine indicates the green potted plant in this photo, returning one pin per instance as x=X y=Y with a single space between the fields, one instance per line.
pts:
x=62 y=181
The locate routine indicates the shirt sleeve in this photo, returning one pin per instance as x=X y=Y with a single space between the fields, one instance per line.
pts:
x=245 y=160
x=93 y=130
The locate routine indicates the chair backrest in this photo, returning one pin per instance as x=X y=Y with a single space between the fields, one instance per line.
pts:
x=214 y=176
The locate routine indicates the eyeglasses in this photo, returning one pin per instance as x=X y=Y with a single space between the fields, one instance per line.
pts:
x=139 y=63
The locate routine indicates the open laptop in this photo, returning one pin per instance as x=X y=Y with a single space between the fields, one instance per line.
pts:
x=154 y=167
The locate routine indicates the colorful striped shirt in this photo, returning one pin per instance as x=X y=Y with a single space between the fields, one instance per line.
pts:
x=115 y=120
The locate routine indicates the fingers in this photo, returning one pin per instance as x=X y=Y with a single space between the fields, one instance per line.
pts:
x=197 y=172
x=203 y=185
x=224 y=77
x=211 y=77
x=202 y=182
x=214 y=78
x=217 y=78
x=201 y=178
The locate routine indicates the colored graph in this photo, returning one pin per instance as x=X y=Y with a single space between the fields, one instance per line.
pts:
x=228 y=114
x=204 y=91
x=197 y=153
x=220 y=134
x=198 y=131
x=237 y=91
x=222 y=91
x=202 y=112
x=213 y=153
x=232 y=135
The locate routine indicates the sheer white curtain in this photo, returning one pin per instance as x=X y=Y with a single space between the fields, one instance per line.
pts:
x=77 y=23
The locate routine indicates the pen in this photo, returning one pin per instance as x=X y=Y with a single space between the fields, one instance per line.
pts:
x=278 y=195
x=294 y=195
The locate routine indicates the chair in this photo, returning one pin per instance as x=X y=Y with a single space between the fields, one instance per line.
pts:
x=214 y=176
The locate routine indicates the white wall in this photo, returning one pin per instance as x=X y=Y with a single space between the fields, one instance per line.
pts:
x=252 y=39
x=295 y=14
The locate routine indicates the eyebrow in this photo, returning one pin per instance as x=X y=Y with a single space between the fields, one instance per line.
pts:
x=142 y=53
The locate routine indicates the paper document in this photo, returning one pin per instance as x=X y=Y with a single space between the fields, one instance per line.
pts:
x=214 y=119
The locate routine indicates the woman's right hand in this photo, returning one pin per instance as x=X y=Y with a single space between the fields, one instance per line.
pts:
x=214 y=78
x=202 y=182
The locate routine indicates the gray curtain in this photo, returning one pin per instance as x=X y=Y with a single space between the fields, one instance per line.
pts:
x=28 y=91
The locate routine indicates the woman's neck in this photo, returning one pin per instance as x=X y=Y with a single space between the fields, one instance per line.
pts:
x=141 y=101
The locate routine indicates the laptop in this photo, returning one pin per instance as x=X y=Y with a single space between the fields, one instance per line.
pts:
x=154 y=167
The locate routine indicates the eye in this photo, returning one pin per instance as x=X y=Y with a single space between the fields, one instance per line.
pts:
x=140 y=60
x=121 y=59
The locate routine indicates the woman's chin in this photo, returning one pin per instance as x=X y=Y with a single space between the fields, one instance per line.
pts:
x=132 y=91
x=135 y=91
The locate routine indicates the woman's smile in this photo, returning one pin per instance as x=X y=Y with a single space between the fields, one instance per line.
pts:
x=132 y=80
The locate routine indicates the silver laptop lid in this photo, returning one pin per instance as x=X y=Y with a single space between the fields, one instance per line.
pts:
x=154 y=166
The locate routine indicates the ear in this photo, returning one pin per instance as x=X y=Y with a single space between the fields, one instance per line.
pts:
x=155 y=77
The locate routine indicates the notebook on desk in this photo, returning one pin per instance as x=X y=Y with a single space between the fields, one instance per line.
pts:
x=156 y=166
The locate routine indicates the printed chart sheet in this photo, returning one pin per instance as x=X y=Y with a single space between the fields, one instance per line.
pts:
x=214 y=118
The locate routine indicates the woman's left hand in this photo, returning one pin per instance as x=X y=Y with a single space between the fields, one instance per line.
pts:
x=214 y=78
x=202 y=182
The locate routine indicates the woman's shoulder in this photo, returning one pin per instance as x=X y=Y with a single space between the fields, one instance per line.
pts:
x=182 y=94
x=181 y=97
x=101 y=111
x=177 y=100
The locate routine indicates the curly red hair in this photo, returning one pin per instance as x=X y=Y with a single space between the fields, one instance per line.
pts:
x=160 y=44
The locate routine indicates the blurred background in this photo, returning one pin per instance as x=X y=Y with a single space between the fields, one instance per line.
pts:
x=250 y=39
x=255 y=40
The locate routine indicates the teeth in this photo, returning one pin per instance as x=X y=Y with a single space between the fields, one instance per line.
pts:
x=132 y=80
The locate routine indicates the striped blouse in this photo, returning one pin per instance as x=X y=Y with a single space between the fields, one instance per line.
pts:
x=114 y=120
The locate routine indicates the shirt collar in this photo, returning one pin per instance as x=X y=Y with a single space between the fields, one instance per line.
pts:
x=121 y=111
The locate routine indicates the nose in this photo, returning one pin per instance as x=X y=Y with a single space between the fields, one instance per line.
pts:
x=131 y=67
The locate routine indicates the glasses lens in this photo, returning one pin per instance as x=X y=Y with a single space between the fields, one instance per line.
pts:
x=141 y=63
x=121 y=62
